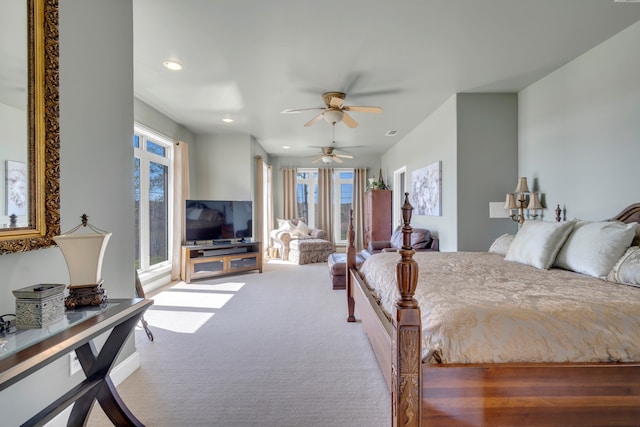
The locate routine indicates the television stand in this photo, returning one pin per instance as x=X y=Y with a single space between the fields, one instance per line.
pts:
x=219 y=258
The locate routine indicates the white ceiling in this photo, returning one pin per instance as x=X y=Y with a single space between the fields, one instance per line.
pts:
x=252 y=59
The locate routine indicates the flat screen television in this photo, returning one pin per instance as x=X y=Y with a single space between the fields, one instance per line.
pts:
x=217 y=220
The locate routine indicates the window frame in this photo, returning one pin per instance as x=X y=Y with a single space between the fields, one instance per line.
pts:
x=145 y=134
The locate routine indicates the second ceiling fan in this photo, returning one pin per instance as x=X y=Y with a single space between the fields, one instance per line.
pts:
x=335 y=110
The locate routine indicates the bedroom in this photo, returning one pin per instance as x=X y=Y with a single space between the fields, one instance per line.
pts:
x=594 y=179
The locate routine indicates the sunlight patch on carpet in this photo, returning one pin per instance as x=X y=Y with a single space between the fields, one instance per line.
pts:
x=192 y=299
x=183 y=322
x=226 y=286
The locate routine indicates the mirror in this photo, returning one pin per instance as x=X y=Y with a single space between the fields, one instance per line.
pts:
x=29 y=153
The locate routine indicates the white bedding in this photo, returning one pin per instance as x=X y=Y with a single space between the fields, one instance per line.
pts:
x=479 y=308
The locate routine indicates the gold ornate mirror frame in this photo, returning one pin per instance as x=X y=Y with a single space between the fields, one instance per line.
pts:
x=43 y=133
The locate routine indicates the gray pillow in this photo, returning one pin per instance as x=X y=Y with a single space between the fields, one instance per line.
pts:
x=627 y=269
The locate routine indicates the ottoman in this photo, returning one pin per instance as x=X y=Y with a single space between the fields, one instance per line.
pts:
x=338 y=269
x=307 y=251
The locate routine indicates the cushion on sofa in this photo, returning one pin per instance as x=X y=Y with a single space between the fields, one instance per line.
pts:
x=420 y=238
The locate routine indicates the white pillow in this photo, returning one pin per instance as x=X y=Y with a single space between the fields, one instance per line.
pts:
x=537 y=242
x=501 y=244
x=303 y=229
x=593 y=248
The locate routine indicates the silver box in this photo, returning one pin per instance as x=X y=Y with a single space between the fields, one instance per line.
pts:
x=38 y=306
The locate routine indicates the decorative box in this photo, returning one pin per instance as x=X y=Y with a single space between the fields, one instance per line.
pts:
x=38 y=306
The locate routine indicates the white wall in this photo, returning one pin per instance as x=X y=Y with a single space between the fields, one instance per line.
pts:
x=223 y=167
x=13 y=137
x=474 y=136
x=579 y=130
x=96 y=118
x=432 y=140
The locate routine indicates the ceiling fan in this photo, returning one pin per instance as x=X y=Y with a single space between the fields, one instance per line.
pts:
x=328 y=156
x=335 y=110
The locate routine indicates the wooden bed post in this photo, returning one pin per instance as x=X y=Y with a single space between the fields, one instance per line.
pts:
x=351 y=263
x=406 y=368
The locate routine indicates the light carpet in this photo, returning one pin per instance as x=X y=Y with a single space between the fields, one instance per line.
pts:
x=270 y=349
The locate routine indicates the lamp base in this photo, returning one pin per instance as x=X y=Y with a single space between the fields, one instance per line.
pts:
x=82 y=295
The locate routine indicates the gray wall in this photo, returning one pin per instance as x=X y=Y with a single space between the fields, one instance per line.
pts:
x=475 y=138
x=96 y=109
x=579 y=130
x=487 y=165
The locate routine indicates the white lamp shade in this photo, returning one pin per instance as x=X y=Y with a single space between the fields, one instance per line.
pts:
x=333 y=115
x=534 y=202
x=510 y=202
x=83 y=254
x=522 y=185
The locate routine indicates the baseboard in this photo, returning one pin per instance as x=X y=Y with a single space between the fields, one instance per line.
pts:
x=118 y=374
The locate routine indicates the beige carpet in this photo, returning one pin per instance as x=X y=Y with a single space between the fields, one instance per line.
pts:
x=270 y=349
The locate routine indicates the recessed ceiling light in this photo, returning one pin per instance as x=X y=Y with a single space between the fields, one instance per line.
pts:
x=172 y=65
x=227 y=119
x=391 y=133
x=286 y=147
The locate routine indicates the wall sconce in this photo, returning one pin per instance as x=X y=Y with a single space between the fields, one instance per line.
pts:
x=517 y=203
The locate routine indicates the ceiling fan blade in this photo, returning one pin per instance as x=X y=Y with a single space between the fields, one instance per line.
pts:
x=317 y=160
x=336 y=102
x=312 y=121
x=336 y=159
x=348 y=120
x=344 y=156
x=362 y=109
x=299 y=110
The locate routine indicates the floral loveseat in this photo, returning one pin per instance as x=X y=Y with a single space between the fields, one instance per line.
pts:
x=292 y=229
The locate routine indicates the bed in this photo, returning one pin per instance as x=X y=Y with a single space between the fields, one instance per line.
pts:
x=570 y=377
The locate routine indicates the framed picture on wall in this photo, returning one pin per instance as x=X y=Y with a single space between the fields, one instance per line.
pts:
x=16 y=182
x=427 y=187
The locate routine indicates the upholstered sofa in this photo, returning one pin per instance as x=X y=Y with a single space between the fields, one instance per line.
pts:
x=421 y=240
x=292 y=229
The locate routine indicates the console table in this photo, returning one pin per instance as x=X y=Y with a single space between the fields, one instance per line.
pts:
x=26 y=351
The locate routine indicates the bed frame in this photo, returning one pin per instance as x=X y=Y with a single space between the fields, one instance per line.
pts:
x=540 y=394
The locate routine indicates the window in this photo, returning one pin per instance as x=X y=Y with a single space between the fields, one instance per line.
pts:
x=153 y=175
x=307 y=197
x=343 y=194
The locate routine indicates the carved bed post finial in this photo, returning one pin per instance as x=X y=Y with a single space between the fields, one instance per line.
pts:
x=406 y=375
x=558 y=214
x=351 y=263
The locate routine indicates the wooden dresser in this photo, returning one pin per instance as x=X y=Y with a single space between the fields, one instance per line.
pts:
x=377 y=216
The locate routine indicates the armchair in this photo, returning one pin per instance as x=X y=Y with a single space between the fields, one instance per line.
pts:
x=292 y=229
x=421 y=240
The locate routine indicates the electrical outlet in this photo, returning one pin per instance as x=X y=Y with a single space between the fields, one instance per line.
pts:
x=74 y=364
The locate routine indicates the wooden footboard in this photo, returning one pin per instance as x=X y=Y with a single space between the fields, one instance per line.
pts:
x=375 y=323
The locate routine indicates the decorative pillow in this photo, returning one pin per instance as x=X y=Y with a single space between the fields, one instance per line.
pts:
x=396 y=238
x=501 y=244
x=627 y=269
x=302 y=229
x=420 y=238
x=286 y=225
x=537 y=242
x=593 y=248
